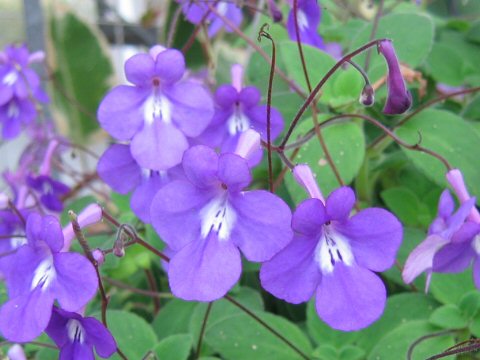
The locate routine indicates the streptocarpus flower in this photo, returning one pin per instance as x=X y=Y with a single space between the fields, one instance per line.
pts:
x=399 y=98
x=123 y=174
x=14 y=115
x=37 y=274
x=50 y=191
x=76 y=336
x=196 y=11
x=453 y=238
x=238 y=110
x=334 y=256
x=207 y=219
x=159 y=112
x=308 y=18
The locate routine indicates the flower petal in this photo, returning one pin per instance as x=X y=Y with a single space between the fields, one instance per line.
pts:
x=205 y=269
x=170 y=66
x=263 y=224
x=23 y=318
x=46 y=229
x=119 y=169
x=292 y=274
x=121 y=111
x=309 y=217
x=258 y=119
x=350 y=298
x=76 y=282
x=143 y=195
x=139 y=69
x=340 y=203
x=76 y=350
x=234 y=172
x=453 y=258
x=200 y=164
x=175 y=213
x=421 y=258
x=100 y=337
x=375 y=236
x=158 y=146
x=192 y=107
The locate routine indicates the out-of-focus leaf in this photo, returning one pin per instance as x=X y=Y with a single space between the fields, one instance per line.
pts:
x=448 y=317
x=174 y=347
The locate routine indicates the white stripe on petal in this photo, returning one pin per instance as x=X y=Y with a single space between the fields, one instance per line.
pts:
x=332 y=248
x=218 y=216
x=157 y=107
x=44 y=274
x=75 y=330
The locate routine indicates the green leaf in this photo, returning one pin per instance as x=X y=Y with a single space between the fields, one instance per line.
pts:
x=240 y=337
x=470 y=304
x=446 y=65
x=223 y=309
x=173 y=318
x=346 y=144
x=134 y=336
x=410 y=48
x=351 y=352
x=399 y=340
x=404 y=203
x=400 y=309
x=475 y=326
x=450 y=288
x=326 y=352
x=174 y=347
x=448 y=317
x=82 y=70
x=450 y=136
x=322 y=334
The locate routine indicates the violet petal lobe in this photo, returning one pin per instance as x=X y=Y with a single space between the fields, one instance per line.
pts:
x=205 y=269
x=200 y=164
x=142 y=197
x=293 y=274
x=350 y=298
x=453 y=258
x=139 y=69
x=340 y=203
x=263 y=225
x=234 y=172
x=170 y=66
x=309 y=217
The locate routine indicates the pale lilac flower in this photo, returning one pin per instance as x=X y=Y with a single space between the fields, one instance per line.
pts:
x=308 y=18
x=238 y=110
x=399 y=98
x=196 y=11
x=207 y=219
x=334 y=257
x=77 y=336
x=122 y=173
x=160 y=112
x=37 y=275
x=16 y=114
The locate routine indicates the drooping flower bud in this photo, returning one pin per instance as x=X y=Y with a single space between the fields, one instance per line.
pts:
x=399 y=98
x=99 y=256
x=89 y=216
x=275 y=12
x=304 y=176
x=367 y=97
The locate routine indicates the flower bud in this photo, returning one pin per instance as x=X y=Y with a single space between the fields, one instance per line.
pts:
x=367 y=97
x=89 y=216
x=304 y=176
x=99 y=256
x=16 y=353
x=399 y=98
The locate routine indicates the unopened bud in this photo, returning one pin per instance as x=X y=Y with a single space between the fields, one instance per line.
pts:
x=16 y=353
x=89 y=216
x=99 y=256
x=304 y=176
x=367 y=97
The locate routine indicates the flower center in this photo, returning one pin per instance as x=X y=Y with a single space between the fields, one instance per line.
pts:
x=16 y=242
x=157 y=107
x=476 y=244
x=44 y=274
x=238 y=122
x=332 y=248
x=10 y=78
x=13 y=111
x=218 y=216
x=302 y=20
x=75 y=330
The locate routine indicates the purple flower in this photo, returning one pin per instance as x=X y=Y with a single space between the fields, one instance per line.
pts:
x=37 y=274
x=16 y=114
x=76 y=336
x=308 y=19
x=123 y=174
x=159 y=112
x=195 y=12
x=50 y=191
x=334 y=256
x=238 y=110
x=453 y=239
x=207 y=219
x=399 y=98
x=17 y=80
x=275 y=12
